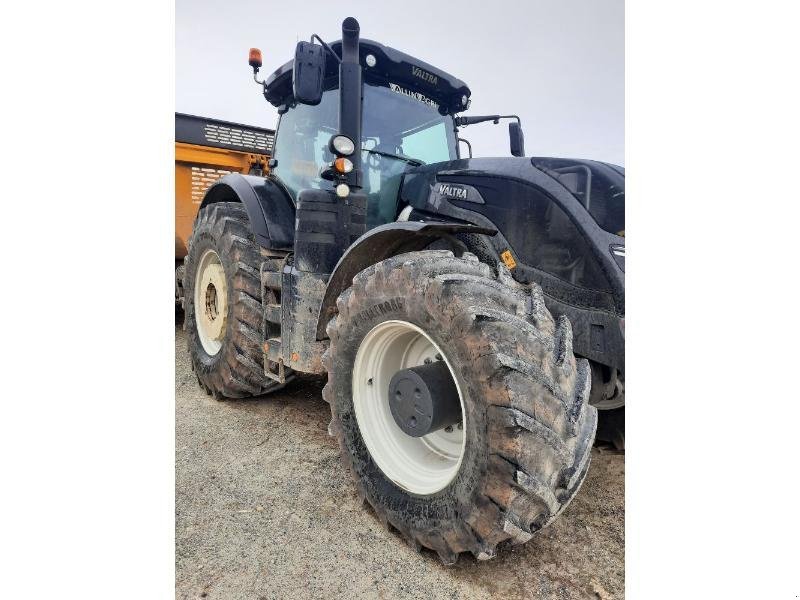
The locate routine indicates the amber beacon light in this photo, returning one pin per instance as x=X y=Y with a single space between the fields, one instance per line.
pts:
x=255 y=58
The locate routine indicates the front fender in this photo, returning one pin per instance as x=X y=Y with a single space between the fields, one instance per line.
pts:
x=269 y=208
x=379 y=244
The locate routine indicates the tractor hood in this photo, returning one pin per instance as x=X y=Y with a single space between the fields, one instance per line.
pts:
x=543 y=211
x=592 y=192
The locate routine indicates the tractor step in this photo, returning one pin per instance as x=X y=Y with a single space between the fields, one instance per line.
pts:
x=273 y=360
x=272 y=313
x=271 y=280
x=272 y=349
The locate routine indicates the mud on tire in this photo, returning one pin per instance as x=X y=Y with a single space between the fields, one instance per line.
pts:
x=236 y=370
x=529 y=426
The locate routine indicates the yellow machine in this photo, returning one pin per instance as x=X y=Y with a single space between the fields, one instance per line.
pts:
x=205 y=150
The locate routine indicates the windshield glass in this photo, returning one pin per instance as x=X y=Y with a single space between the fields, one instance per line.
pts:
x=398 y=131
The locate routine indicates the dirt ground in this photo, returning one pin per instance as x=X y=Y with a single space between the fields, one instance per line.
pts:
x=265 y=510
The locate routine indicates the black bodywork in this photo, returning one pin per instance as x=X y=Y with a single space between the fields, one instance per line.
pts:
x=269 y=207
x=487 y=206
x=555 y=222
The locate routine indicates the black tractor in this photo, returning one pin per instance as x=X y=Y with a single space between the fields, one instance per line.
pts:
x=468 y=312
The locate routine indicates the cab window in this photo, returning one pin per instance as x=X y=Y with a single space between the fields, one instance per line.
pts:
x=398 y=132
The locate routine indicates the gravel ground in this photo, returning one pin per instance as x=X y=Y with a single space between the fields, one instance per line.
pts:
x=264 y=509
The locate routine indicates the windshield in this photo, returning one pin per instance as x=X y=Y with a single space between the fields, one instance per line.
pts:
x=397 y=132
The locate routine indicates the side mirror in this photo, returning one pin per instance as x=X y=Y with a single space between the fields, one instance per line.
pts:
x=517 y=139
x=309 y=70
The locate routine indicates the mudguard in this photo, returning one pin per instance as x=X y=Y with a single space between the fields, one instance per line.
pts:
x=379 y=244
x=269 y=207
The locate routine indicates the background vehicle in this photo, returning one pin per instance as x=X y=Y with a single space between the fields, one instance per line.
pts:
x=205 y=150
x=446 y=298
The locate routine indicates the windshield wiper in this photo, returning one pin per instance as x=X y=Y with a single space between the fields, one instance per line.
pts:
x=409 y=160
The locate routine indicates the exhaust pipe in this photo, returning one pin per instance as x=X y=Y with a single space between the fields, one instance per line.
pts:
x=350 y=33
x=350 y=92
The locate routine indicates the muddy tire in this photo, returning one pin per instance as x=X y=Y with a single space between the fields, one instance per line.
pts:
x=527 y=425
x=223 y=305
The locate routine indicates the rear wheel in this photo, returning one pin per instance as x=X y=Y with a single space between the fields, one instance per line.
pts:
x=223 y=304
x=491 y=436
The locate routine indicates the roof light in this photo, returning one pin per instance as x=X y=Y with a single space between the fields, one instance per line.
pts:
x=255 y=58
x=343 y=145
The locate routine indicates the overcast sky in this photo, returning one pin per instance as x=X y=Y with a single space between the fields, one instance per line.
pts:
x=558 y=64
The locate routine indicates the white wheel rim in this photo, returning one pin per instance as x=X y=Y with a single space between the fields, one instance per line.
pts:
x=423 y=465
x=210 y=302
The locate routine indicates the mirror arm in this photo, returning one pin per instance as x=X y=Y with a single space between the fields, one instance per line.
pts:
x=325 y=45
x=468 y=145
x=464 y=121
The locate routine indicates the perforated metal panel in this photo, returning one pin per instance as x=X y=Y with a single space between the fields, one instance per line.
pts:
x=202 y=131
x=202 y=178
x=225 y=136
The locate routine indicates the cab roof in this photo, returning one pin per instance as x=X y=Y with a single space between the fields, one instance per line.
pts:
x=391 y=66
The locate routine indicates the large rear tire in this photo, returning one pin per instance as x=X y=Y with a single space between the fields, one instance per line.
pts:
x=527 y=425
x=223 y=304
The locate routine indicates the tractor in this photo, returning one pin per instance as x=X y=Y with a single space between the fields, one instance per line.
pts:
x=468 y=312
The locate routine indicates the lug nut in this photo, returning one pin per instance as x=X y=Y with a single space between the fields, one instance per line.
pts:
x=449 y=429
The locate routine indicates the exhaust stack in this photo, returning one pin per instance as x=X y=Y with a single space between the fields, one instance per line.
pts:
x=350 y=93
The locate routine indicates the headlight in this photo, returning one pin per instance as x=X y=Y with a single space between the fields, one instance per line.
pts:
x=342 y=145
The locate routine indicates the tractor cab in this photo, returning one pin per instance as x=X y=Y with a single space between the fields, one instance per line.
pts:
x=407 y=108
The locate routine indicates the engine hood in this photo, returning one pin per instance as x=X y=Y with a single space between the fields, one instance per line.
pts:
x=568 y=181
x=541 y=216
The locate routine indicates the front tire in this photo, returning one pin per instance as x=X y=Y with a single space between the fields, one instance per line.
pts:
x=527 y=425
x=223 y=306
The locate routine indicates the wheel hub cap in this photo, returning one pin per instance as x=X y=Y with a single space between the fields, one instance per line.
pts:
x=424 y=399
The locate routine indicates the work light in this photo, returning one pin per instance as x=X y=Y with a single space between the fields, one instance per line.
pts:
x=342 y=145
